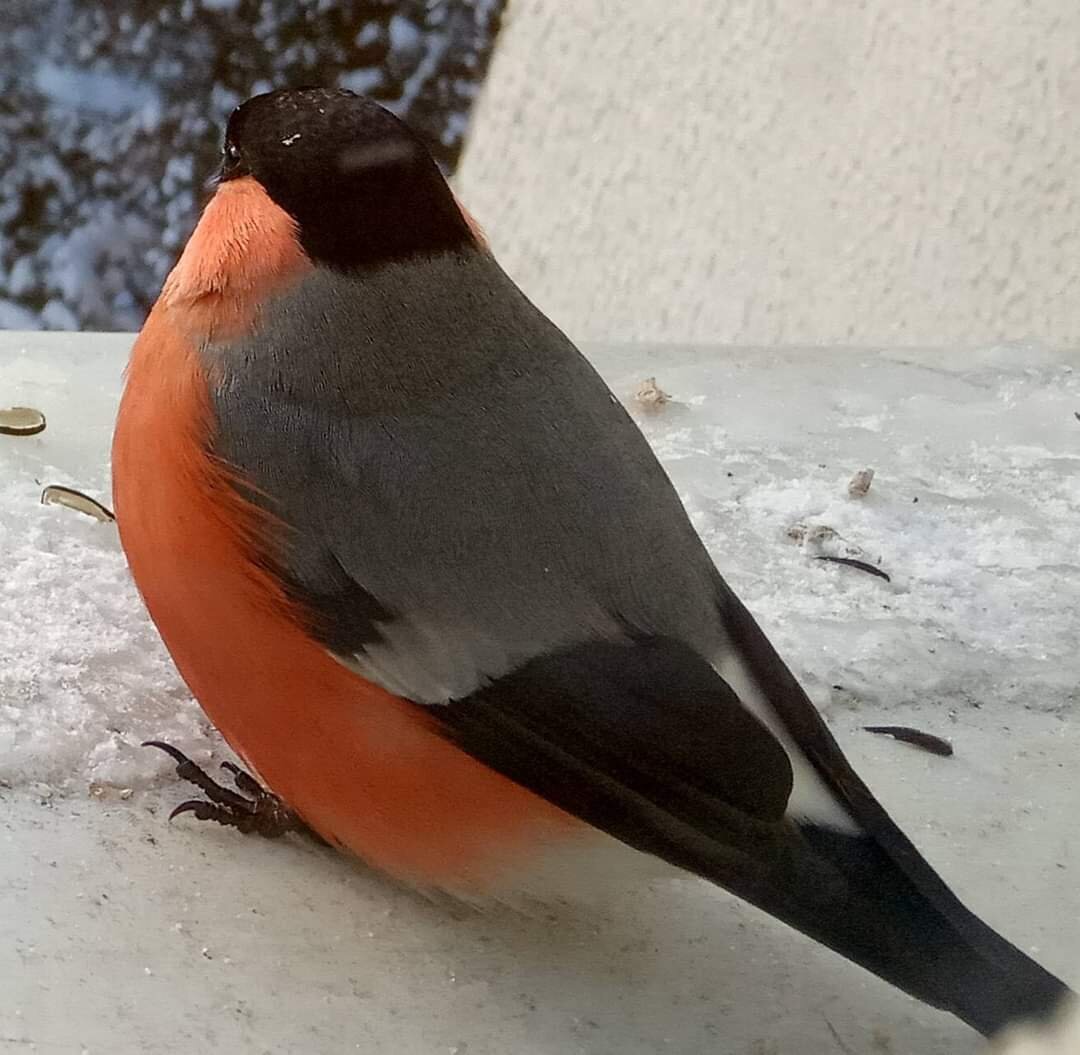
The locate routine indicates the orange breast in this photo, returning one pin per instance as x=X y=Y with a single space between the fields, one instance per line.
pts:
x=364 y=768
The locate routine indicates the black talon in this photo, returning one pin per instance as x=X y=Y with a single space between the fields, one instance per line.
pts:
x=174 y=752
x=263 y=813
x=209 y=811
x=193 y=773
x=202 y=809
x=244 y=780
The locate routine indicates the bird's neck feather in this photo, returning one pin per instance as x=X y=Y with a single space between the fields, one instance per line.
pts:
x=244 y=250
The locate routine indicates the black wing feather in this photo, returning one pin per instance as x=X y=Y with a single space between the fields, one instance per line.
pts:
x=646 y=742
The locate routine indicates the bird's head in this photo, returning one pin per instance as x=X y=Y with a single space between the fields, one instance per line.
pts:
x=359 y=184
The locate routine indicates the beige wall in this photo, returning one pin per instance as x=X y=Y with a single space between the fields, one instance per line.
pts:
x=852 y=171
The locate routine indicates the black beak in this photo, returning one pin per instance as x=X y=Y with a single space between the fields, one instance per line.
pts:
x=213 y=181
x=229 y=168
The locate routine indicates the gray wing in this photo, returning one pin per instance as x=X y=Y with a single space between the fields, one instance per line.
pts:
x=464 y=491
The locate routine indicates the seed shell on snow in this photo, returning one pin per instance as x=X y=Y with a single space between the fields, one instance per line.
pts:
x=860 y=483
x=916 y=737
x=860 y=565
x=650 y=396
x=21 y=421
x=58 y=495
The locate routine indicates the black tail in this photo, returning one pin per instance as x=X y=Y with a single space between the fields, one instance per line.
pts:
x=643 y=740
x=874 y=915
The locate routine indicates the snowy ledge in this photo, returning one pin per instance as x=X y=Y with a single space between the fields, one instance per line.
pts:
x=154 y=937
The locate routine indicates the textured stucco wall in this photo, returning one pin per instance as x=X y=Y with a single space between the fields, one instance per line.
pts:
x=764 y=171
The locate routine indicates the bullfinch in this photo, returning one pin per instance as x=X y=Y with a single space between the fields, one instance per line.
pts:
x=423 y=572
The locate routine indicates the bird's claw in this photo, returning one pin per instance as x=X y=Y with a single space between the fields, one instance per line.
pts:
x=256 y=811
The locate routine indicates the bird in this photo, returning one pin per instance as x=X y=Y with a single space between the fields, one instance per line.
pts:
x=425 y=575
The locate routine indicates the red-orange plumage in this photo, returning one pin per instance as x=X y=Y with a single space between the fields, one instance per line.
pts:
x=364 y=768
x=474 y=227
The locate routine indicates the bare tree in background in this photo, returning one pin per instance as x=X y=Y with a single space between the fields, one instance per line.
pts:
x=110 y=118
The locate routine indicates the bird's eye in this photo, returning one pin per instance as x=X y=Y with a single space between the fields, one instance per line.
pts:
x=230 y=166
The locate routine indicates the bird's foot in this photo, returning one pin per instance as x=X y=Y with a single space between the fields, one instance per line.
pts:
x=256 y=811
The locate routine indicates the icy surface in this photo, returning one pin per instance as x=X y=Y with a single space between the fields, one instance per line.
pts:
x=1059 y=1038
x=972 y=511
x=84 y=678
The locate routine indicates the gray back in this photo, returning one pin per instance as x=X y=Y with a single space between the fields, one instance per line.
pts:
x=435 y=439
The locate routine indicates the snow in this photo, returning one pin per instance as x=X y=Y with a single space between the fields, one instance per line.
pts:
x=14 y=317
x=972 y=511
x=1059 y=1038
x=361 y=81
x=103 y=91
x=84 y=678
x=404 y=36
